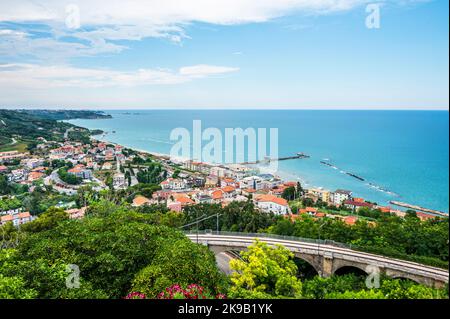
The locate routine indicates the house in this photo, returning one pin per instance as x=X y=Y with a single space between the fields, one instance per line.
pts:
x=34 y=162
x=211 y=181
x=228 y=191
x=229 y=182
x=308 y=210
x=423 y=216
x=217 y=195
x=76 y=213
x=34 y=176
x=107 y=166
x=3 y=169
x=161 y=195
x=80 y=171
x=248 y=191
x=119 y=181
x=173 y=184
x=17 y=219
x=182 y=199
x=203 y=198
x=350 y=220
x=140 y=200
x=272 y=204
x=354 y=205
x=17 y=175
x=174 y=206
x=341 y=195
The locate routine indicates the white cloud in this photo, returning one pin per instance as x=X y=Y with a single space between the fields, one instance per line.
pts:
x=43 y=77
x=105 y=21
x=202 y=70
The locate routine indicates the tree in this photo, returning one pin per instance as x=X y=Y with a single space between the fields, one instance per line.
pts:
x=4 y=186
x=265 y=272
x=183 y=263
x=289 y=193
x=14 y=288
x=48 y=220
x=110 y=246
x=176 y=173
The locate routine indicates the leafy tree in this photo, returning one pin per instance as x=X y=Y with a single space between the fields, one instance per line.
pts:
x=265 y=272
x=289 y=193
x=14 y=288
x=179 y=262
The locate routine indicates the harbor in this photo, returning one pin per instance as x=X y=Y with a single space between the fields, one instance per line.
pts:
x=416 y=207
x=299 y=155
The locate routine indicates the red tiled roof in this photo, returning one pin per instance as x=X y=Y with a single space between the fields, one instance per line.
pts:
x=273 y=199
x=359 y=204
x=228 y=189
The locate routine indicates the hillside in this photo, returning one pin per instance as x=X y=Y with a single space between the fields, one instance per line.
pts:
x=20 y=128
x=66 y=114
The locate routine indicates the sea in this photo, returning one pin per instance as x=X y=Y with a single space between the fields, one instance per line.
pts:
x=397 y=155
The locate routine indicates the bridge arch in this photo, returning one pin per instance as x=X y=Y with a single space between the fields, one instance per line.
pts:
x=342 y=267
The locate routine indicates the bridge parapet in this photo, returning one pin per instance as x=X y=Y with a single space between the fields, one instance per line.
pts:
x=327 y=257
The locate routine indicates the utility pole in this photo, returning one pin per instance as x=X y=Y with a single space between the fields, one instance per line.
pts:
x=217 y=224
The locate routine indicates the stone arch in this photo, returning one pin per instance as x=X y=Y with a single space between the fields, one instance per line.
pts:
x=407 y=278
x=349 y=268
x=307 y=266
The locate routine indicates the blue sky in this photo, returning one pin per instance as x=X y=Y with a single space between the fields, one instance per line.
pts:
x=224 y=54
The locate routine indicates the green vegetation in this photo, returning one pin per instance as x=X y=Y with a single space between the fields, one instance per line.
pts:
x=120 y=250
x=116 y=252
x=406 y=238
x=59 y=115
x=265 y=272
x=19 y=129
x=9 y=203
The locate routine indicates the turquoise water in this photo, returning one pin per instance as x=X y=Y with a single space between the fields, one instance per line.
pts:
x=404 y=152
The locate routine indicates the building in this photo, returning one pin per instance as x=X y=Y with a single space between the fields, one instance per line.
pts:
x=76 y=213
x=272 y=204
x=322 y=194
x=140 y=200
x=17 y=219
x=3 y=169
x=34 y=176
x=6 y=157
x=80 y=171
x=203 y=198
x=173 y=184
x=341 y=195
x=119 y=181
x=354 y=205
x=254 y=182
x=34 y=162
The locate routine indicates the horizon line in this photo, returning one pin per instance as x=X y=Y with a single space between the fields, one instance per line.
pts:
x=222 y=109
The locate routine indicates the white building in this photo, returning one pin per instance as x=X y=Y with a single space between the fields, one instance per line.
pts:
x=173 y=184
x=254 y=182
x=341 y=195
x=272 y=204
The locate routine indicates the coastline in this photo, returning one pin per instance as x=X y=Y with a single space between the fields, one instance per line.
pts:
x=286 y=176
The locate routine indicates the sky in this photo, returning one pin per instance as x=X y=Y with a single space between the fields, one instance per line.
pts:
x=262 y=54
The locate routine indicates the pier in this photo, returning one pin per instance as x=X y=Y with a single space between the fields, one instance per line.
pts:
x=299 y=155
x=416 y=207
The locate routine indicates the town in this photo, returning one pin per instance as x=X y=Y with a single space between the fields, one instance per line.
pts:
x=64 y=168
